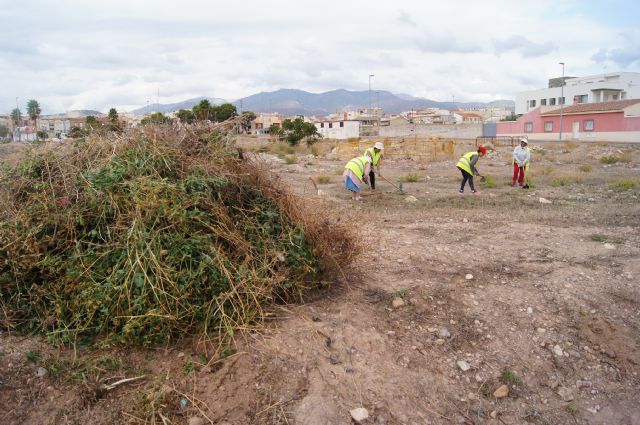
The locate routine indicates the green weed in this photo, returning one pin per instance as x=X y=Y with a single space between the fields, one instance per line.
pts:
x=624 y=185
x=509 y=377
x=409 y=178
x=290 y=159
x=609 y=159
x=585 y=168
x=33 y=356
x=489 y=183
x=323 y=179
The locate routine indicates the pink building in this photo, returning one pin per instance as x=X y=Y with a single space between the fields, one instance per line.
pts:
x=617 y=121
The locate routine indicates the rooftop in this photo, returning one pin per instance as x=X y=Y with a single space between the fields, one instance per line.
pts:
x=614 y=106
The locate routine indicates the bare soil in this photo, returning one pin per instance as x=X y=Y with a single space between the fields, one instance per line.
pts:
x=552 y=310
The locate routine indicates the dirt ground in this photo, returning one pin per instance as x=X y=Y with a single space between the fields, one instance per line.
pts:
x=454 y=297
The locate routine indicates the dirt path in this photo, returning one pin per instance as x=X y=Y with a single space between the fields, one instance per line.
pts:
x=551 y=310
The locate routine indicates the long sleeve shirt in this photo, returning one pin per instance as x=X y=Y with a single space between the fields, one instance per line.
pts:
x=521 y=156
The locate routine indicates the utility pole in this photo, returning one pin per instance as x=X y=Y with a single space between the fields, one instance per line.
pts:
x=370 y=75
x=19 y=119
x=561 y=98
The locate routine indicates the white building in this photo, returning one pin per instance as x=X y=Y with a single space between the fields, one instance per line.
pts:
x=344 y=129
x=592 y=89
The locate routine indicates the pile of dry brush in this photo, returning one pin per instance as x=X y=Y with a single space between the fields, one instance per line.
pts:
x=161 y=234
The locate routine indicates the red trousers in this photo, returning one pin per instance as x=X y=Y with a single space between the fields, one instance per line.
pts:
x=518 y=174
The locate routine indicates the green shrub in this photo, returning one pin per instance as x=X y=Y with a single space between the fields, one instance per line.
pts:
x=489 y=183
x=323 y=179
x=623 y=185
x=409 y=178
x=290 y=159
x=609 y=159
x=585 y=168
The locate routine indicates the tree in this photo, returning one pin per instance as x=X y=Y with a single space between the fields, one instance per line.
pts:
x=42 y=135
x=297 y=129
x=16 y=116
x=202 y=110
x=245 y=120
x=512 y=117
x=91 y=122
x=276 y=130
x=186 y=116
x=33 y=110
x=76 y=132
x=156 y=118
x=113 y=115
x=224 y=112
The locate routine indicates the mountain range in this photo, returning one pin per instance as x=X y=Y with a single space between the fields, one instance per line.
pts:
x=294 y=102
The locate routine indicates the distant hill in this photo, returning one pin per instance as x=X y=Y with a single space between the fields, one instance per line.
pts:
x=172 y=107
x=291 y=102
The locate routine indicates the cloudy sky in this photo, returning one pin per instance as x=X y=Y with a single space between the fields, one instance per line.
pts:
x=95 y=55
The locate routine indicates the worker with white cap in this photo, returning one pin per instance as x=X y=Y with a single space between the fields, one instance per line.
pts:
x=376 y=156
x=521 y=159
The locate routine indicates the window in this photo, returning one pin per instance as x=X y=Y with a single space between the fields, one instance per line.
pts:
x=587 y=125
x=552 y=101
x=582 y=98
x=321 y=125
x=543 y=102
x=341 y=123
x=532 y=103
x=548 y=126
x=528 y=127
x=330 y=125
x=561 y=100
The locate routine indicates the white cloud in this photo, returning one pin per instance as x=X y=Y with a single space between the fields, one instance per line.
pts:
x=75 y=54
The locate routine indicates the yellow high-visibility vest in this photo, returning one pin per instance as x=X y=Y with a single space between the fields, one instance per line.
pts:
x=374 y=156
x=358 y=165
x=465 y=161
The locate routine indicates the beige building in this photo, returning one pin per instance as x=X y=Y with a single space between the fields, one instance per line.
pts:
x=262 y=122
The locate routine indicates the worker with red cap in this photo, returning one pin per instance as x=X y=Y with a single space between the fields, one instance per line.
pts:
x=467 y=166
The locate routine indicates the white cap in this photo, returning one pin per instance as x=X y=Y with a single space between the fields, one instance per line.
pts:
x=379 y=145
x=522 y=139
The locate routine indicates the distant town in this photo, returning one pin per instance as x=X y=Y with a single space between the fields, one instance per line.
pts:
x=603 y=107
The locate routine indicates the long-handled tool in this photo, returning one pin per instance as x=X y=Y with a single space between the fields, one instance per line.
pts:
x=524 y=177
x=399 y=188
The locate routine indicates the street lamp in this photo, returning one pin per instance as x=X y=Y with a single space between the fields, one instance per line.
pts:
x=561 y=98
x=370 y=75
x=19 y=119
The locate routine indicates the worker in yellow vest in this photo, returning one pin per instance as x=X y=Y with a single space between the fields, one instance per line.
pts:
x=376 y=156
x=355 y=173
x=467 y=166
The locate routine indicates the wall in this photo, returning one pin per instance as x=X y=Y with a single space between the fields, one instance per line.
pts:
x=350 y=129
x=452 y=131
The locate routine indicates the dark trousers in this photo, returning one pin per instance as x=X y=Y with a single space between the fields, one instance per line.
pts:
x=466 y=177
x=372 y=180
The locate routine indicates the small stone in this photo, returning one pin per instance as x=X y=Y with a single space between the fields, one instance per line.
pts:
x=464 y=220
x=439 y=341
x=610 y=353
x=410 y=199
x=444 y=333
x=359 y=415
x=557 y=350
x=493 y=414
x=501 y=392
x=544 y=201
x=196 y=420
x=41 y=372
x=464 y=366
x=541 y=330
x=565 y=394
x=468 y=276
x=334 y=358
x=583 y=384
x=609 y=246
x=180 y=355
x=529 y=310
x=397 y=303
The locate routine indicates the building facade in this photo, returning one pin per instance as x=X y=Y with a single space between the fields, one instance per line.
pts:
x=615 y=121
x=344 y=129
x=592 y=89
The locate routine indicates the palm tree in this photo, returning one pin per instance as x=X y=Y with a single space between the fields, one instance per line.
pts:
x=16 y=116
x=33 y=109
